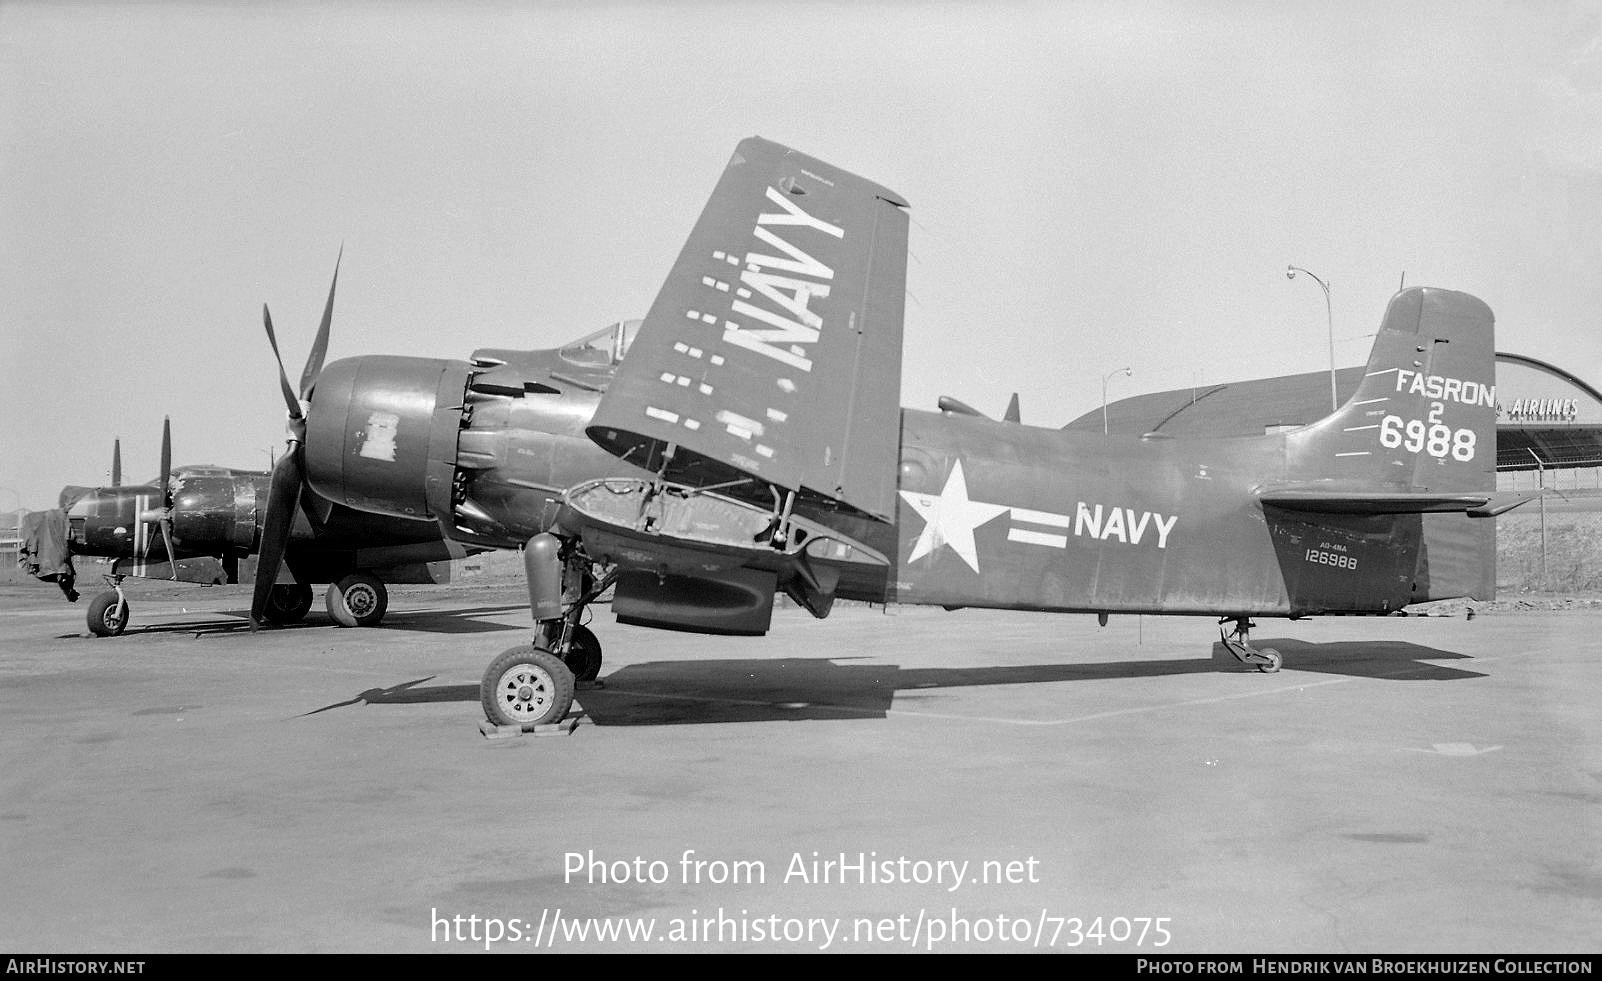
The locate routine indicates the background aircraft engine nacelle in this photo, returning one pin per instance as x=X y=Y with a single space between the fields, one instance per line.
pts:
x=214 y=510
x=381 y=433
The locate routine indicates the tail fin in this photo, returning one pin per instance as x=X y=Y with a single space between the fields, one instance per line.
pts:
x=1424 y=417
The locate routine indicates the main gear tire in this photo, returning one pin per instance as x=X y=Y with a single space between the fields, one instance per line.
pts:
x=526 y=687
x=288 y=603
x=583 y=655
x=108 y=614
x=357 y=600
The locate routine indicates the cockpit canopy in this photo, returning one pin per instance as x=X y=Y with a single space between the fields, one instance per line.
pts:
x=604 y=348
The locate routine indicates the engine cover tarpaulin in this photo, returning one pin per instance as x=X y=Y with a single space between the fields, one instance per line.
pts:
x=44 y=553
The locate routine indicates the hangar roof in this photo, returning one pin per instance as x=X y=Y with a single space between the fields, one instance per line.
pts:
x=1542 y=411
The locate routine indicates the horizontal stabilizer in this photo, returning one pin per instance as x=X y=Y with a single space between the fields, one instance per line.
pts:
x=771 y=357
x=1379 y=502
x=1505 y=501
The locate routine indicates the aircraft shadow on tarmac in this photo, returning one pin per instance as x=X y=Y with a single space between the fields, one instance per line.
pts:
x=795 y=689
x=459 y=621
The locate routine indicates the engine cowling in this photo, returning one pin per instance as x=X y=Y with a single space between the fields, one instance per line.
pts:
x=214 y=509
x=381 y=433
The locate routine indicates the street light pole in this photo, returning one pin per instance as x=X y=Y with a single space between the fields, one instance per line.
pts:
x=1329 y=316
x=1104 y=379
x=1541 y=469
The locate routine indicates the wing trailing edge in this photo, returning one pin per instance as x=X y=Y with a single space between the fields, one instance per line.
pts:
x=771 y=358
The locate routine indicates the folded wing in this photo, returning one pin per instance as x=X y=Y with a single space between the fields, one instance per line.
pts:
x=771 y=357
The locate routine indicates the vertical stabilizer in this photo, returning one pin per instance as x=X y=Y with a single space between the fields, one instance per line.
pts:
x=1424 y=416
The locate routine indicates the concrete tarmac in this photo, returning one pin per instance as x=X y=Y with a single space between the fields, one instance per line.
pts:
x=1404 y=785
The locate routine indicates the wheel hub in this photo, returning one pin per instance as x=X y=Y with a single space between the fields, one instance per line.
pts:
x=526 y=691
x=360 y=601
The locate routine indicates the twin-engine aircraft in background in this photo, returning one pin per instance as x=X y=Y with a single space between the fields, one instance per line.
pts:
x=195 y=512
x=752 y=443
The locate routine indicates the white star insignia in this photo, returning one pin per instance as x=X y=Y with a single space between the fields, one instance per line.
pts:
x=950 y=519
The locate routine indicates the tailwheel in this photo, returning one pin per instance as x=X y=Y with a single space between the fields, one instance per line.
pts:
x=108 y=614
x=526 y=687
x=583 y=656
x=1238 y=643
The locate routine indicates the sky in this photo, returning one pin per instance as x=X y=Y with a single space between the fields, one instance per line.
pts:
x=1092 y=186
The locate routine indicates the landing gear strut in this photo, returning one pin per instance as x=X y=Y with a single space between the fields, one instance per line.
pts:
x=569 y=639
x=1267 y=660
x=532 y=684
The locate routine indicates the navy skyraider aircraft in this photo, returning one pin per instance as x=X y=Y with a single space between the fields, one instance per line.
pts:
x=192 y=512
x=753 y=443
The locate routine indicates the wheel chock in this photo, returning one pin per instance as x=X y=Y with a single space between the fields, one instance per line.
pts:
x=563 y=728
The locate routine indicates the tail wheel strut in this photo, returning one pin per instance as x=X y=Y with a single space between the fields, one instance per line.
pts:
x=1238 y=643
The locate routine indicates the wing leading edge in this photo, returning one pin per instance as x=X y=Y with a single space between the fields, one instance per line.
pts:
x=771 y=357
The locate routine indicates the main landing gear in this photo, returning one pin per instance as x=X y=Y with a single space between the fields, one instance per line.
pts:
x=357 y=600
x=526 y=687
x=1267 y=660
x=532 y=684
x=108 y=611
x=288 y=603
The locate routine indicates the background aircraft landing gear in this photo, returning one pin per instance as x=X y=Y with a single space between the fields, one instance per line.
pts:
x=358 y=600
x=1267 y=660
x=288 y=603
x=108 y=614
x=526 y=687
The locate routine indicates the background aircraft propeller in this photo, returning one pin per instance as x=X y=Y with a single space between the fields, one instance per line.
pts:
x=162 y=515
x=289 y=474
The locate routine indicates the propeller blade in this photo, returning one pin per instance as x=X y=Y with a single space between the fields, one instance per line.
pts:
x=166 y=539
x=166 y=461
x=283 y=379
x=116 y=463
x=319 y=350
x=278 y=521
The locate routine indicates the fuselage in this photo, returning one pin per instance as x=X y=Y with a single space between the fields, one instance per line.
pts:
x=1004 y=515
